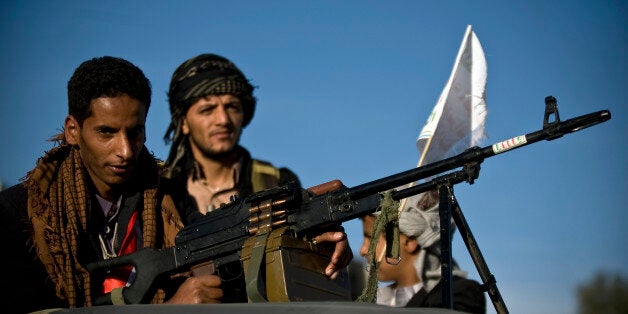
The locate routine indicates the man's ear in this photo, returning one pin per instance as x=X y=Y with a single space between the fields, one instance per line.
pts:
x=411 y=245
x=185 y=128
x=71 y=130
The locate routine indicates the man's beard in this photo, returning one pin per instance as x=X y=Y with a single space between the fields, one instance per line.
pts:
x=226 y=155
x=210 y=153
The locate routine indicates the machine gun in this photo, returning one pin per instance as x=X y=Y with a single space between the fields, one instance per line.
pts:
x=248 y=224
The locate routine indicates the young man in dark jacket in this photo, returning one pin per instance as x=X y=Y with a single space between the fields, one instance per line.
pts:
x=92 y=197
x=211 y=102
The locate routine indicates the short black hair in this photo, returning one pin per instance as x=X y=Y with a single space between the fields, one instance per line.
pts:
x=105 y=77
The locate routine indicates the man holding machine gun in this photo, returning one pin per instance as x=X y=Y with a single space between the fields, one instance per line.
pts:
x=90 y=198
x=211 y=101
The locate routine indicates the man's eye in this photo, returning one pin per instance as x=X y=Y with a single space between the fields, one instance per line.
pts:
x=106 y=131
x=207 y=108
x=234 y=107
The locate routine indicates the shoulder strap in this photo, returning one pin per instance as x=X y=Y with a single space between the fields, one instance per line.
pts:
x=264 y=175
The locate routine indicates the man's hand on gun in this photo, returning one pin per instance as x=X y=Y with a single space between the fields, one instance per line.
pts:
x=342 y=252
x=197 y=290
x=206 y=287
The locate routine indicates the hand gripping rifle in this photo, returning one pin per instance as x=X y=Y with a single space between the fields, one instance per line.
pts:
x=248 y=224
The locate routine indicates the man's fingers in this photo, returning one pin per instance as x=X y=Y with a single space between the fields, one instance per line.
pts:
x=332 y=236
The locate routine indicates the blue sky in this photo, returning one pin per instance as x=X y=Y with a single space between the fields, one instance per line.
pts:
x=344 y=88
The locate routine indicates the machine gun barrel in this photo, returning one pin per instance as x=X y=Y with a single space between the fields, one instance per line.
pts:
x=478 y=154
x=350 y=203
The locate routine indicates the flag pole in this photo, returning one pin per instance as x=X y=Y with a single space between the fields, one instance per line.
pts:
x=411 y=184
x=444 y=92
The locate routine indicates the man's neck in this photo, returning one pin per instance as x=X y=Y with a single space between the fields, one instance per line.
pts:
x=218 y=169
x=109 y=193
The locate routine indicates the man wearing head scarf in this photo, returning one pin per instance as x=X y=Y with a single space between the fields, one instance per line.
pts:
x=211 y=102
x=416 y=275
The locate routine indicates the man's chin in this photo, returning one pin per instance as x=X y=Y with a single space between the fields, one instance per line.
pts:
x=121 y=179
x=221 y=154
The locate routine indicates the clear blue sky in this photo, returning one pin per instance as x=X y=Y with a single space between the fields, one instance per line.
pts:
x=344 y=88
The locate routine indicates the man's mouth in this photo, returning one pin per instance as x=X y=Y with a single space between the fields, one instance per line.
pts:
x=120 y=169
x=221 y=134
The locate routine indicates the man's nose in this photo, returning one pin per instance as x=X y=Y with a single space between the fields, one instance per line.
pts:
x=364 y=248
x=124 y=147
x=221 y=115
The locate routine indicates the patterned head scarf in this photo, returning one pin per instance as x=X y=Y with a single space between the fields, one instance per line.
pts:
x=422 y=221
x=205 y=74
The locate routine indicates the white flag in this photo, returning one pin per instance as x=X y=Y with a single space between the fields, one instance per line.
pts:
x=457 y=121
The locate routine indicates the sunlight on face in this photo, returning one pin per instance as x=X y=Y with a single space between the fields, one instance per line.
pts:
x=214 y=124
x=110 y=140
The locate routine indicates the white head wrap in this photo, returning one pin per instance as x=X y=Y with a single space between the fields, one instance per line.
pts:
x=420 y=219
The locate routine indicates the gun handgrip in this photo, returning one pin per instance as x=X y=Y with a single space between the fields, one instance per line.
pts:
x=325 y=187
x=205 y=268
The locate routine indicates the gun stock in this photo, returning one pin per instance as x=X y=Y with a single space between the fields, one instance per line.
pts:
x=220 y=236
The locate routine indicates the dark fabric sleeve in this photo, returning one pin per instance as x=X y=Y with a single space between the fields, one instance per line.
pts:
x=468 y=297
x=286 y=175
x=245 y=185
x=26 y=286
